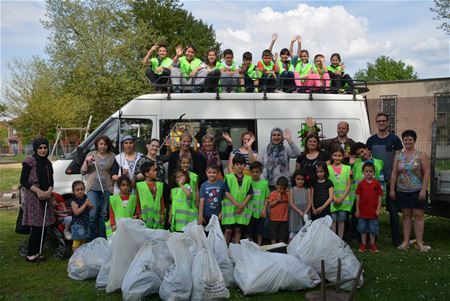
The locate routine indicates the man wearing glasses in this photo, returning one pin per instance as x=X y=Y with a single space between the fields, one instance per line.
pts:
x=385 y=146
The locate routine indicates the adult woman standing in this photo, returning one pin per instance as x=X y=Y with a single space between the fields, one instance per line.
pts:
x=152 y=155
x=126 y=160
x=198 y=162
x=37 y=179
x=247 y=140
x=99 y=166
x=411 y=173
x=275 y=158
x=312 y=154
x=214 y=156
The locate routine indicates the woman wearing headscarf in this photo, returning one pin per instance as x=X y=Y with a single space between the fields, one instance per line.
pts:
x=37 y=180
x=212 y=154
x=127 y=161
x=275 y=158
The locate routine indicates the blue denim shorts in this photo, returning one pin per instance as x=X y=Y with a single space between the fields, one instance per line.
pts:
x=80 y=232
x=370 y=226
x=339 y=216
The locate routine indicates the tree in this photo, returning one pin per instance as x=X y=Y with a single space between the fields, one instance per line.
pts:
x=442 y=9
x=385 y=69
x=37 y=104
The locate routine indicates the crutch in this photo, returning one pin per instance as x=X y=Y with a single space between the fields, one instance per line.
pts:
x=42 y=233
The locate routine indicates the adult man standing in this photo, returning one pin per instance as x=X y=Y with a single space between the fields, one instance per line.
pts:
x=385 y=146
x=341 y=141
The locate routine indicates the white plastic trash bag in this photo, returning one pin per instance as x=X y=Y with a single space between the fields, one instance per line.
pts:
x=86 y=261
x=102 y=277
x=177 y=281
x=145 y=274
x=130 y=235
x=259 y=272
x=216 y=242
x=207 y=279
x=316 y=242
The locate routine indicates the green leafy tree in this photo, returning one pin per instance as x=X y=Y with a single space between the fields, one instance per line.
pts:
x=38 y=103
x=173 y=26
x=385 y=69
x=442 y=10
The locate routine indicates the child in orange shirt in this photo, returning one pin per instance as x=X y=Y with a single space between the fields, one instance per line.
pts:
x=279 y=219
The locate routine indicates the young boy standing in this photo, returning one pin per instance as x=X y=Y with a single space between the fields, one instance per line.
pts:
x=150 y=197
x=238 y=192
x=258 y=203
x=211 y=196
x=279 y=219
x=368 y=204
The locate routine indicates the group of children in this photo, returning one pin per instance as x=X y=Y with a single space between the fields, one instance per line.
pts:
x=284 y=73
x=243 y=202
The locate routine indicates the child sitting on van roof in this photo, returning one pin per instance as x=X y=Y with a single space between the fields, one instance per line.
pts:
x=229 y=71
x=249 y=76
x=268 y=70
x=158 y=71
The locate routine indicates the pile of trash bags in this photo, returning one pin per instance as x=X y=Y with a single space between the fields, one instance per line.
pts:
x=192 y=266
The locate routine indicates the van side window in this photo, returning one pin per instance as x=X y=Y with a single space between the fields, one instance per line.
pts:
x=141 y=129
x=199 y=127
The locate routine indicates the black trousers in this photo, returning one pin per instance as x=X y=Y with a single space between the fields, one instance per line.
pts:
x=158 y=79
x=34 y=242
x=339 y=81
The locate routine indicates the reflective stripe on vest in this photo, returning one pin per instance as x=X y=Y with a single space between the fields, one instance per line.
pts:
x=229 y=215
x=333 y=69
x=166 y=62
x=187 y=67
x=281 y=67
x=260 y=194
x=224 y=66
x=251 y=72
x=119 y=210
x=182 y=212
x=358 y=176
x=339 y=188
x=150 y=207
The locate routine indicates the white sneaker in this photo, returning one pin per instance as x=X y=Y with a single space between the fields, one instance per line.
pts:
x=67 y=234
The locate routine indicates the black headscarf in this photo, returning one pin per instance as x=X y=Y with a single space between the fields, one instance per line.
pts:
x=44 y=166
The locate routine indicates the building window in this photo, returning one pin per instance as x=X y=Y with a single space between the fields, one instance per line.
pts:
x=443 y=118
x=389 y=107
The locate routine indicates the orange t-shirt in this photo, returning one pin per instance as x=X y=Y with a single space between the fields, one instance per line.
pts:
x=279 y=212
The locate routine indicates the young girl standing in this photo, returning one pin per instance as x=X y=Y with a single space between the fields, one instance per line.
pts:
x=181 y=212
x=80 y=220
x=184 y=162
x=339 y=174
x=121 y=205
x=322 y=192
x=299 y=202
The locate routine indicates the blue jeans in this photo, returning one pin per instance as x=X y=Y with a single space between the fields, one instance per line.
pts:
x=99 y=214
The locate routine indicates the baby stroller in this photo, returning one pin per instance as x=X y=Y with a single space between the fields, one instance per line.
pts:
x=54 y=238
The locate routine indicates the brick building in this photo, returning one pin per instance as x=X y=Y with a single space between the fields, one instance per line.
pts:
x=416 y=105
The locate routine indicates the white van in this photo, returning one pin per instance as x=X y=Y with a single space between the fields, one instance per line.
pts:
x=153 y=115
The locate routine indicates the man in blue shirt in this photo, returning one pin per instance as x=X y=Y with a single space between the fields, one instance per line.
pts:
x=385 y=146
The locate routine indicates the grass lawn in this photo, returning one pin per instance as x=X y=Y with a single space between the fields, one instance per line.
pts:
x=9 y=178
x=389 y=275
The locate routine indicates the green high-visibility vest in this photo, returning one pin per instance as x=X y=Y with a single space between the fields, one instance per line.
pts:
x=182 y=212
x=119 y=210
x=340 y=184
x=303 y=69
x=281 y=67
x=150 y=207
x=155 y=63
x=187 y=67
x=251 y=71
x=194 y=184
x=316 y=70
x=358 y=176
x=232 y=68
x=229 y=215
x=333 y=69
x=260 y=194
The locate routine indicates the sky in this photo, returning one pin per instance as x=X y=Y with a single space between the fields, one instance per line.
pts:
x=359 y=30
